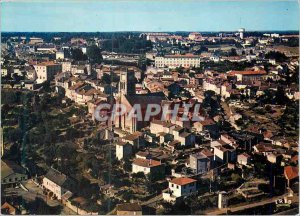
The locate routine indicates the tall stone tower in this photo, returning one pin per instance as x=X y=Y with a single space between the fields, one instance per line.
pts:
x=127 y=82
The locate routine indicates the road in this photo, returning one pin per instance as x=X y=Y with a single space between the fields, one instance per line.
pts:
x=33 y=192
x=243 y=207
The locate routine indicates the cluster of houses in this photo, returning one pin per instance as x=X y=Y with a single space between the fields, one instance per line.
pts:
x=149 y=145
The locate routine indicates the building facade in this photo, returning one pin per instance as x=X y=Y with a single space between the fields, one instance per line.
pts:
x=180 y=187
x=148 y=166
x=11 y=173
x=123 y=150
x=46 y=71
x=199 y=163
x=57 y=183
x=174 y=61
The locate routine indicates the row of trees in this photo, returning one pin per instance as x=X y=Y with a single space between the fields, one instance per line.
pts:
x=127 y=45
x=278 y=56
x=93 y=54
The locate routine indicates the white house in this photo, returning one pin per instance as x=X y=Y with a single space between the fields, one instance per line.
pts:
x=57 y=183
x=185 y=138
x=244 y=159
x=123 y=150
x=60 y=55
x=224 y=153
x=158 y=126
x=179 y=187
x=147 y=166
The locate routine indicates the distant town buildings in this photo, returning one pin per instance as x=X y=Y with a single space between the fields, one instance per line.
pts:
x=157 y=36
x=174 y=61
x=242 y=87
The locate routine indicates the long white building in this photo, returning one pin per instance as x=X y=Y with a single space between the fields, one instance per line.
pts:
x=173 y=61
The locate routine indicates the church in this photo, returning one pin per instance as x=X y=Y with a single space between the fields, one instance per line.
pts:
x=128 y=98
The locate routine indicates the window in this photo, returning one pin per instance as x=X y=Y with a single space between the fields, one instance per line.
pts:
x=177 y=186
x=172 y=185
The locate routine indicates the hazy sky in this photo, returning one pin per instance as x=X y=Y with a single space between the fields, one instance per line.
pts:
x=149 y=15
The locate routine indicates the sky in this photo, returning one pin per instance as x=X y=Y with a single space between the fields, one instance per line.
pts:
x=155 y=15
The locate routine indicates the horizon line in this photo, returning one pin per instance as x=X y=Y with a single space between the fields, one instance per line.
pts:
x=119 y=31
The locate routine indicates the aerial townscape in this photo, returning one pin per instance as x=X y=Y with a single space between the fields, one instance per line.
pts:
x=208 y=122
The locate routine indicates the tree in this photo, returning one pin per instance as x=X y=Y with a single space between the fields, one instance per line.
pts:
x=280 y=97
x=94 y=54
x=40 y=207
x=236 y=177
x=278 y=56
x=13 y=134
x=139 y=175
x=128 y=195
x=233 y=52
x=127 y=166
x=78 y=55
x=10 y=97
x=106 y=79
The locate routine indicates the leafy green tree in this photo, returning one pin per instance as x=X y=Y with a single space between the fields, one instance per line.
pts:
x=139 y=175
x=106 y=79
x=94 y=54
x=78 y=55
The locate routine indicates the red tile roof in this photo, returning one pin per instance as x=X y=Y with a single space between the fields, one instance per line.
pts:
x=146 y=162
x=182 y=181
x=295 y=159
x=48 y=63
x=207 y=153
x=267 y=134
x=207 y=122
x=77 y=85
x=258 y=72
x=182 y=56
x=291 y=172
x=129 y=207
